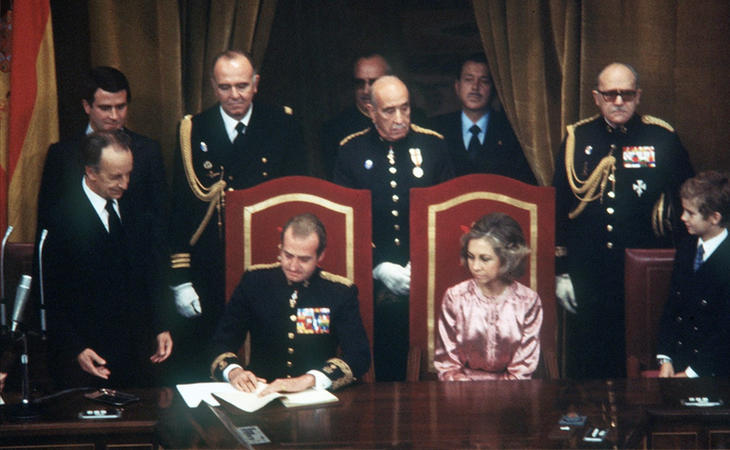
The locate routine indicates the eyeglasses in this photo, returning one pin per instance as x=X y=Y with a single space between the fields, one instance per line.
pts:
x=362 y=82
x=610 y=96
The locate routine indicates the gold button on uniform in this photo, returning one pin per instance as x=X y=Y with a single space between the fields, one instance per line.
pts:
x=290 y=350
x=290 y=335
x=611 y=194
x=293 y=318
x=397 y=242
x=394 y=212
x=395 y=198
x=266 y=174
x=264 y=159
x=609 y=210
x=396 y=227
x=289 y=364
x=392 y=170
x=609 y=227
x=393 y=184
x=609 y=244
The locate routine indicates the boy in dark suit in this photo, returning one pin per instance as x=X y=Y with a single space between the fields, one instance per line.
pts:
x=694 y=339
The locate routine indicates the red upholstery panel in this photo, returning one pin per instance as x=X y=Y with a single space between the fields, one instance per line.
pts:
x=441 y=214
x=648 y=274
x=255 y=217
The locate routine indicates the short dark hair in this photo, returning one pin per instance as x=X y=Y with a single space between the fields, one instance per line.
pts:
x=479 y=58
x=94 y=143
x=373 y=54
x=710 y=192
x=303 y=225
x=231 y=54
x=506 y=238
x=106 y=78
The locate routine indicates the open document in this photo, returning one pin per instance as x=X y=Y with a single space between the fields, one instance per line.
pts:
x=194 y=393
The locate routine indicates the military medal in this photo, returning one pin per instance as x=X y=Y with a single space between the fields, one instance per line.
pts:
x=588 y=150
x=368 y=164
x=417 y=159
x=203 y=146
x=639 y=187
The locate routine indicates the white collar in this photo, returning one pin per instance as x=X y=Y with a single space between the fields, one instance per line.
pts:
x=230 y=123
x=711 y=244
x=99 y=204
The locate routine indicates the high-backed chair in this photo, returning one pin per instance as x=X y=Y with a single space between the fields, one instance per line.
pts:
x=647 y=279
x=439 y=216
x=255 y=217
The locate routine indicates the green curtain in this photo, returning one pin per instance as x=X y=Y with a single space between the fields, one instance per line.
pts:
x=165 y=48
x=545 y=55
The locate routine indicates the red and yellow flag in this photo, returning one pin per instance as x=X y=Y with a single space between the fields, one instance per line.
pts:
x=33 y=115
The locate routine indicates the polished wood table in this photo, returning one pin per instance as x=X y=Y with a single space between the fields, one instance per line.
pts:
x=637 y=413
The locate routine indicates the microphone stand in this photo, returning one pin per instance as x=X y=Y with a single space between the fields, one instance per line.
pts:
x=3 y=300
x=26 y=409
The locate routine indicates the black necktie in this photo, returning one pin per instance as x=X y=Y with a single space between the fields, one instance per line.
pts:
x=699 y=257
x=474 y=141
x=115 y=225
x=240 y=128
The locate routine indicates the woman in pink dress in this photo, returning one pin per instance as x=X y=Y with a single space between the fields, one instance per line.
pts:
x=489 y=327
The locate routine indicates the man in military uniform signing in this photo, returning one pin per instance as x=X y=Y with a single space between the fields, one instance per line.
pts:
x=616 y=181
x=235 y=144
x=298 y=315
x=390 y=158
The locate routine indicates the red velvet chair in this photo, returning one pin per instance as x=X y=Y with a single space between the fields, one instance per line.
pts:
x=439 y=216
x=255 y=217
x=647 y=280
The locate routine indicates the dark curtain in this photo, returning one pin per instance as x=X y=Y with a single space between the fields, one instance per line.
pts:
x=545 y=56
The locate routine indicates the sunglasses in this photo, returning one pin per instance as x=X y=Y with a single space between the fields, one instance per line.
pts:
x=362 y=82
x=610 y=96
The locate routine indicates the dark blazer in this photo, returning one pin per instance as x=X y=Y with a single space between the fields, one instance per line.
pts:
x=102 y=295
x=500 y=153
x=694 y=329
x=63 y=169
x=272 y=147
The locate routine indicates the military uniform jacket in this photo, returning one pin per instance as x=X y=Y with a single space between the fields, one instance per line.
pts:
x=500 y=153
x=295 y=327
x=419 y=160
x=271 y=147
x=650 y=161
x=694 y=328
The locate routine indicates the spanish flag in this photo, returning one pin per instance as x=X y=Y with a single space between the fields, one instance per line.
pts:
x=32 y=124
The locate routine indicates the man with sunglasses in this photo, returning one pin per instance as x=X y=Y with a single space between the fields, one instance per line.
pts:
x=368 y=68
x=616 y=180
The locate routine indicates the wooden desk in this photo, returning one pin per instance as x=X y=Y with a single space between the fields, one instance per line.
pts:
x=489 y=414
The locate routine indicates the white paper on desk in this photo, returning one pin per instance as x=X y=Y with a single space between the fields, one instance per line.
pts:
x=250 y=401
x=194 y=393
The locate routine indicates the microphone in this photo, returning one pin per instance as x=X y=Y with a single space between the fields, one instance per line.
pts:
x=21 y=299
x=3 y=300
x=44 y=327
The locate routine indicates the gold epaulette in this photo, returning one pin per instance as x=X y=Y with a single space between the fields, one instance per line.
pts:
x=651 y=120
x=335 y=278
x=288 y=111
x=180 y=261
x=418 y=129
x=263 y=266
x=339 y=372
x=581 y=122
x=353 y=135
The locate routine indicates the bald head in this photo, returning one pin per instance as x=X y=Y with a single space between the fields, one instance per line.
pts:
x=617 y=93
x=390 y=108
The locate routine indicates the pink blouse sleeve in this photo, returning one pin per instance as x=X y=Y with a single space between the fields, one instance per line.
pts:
x=446 y=361
x=527 y=356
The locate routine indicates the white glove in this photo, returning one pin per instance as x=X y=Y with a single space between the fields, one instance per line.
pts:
x=565 y=293
x=394 y=276
x=187 y=301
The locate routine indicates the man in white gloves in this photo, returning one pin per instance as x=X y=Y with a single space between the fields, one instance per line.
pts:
x=389 y=158
x=616 y=178
x=235 y=144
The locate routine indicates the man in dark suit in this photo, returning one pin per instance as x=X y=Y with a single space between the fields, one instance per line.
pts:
x=480 y=138
x=694 y=339
x=106 y=97
x=104 y=275
x=235 y=144
x=389 y=158
x=305 y=323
